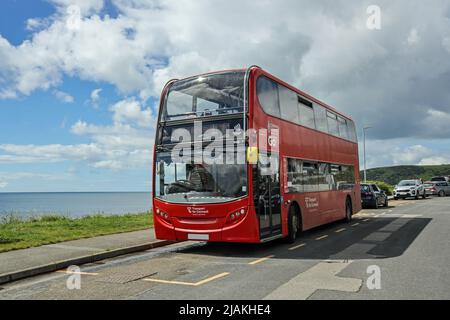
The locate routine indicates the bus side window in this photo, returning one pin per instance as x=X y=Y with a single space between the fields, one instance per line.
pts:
x=288 y=104
x=333 y=126
x=306 y=113
x=320 y=114
x=267 y=91
x=295 y=181
x=352 y=131
x=335 y=172
x=343 y=128
x=324 y=177
x=310 y=175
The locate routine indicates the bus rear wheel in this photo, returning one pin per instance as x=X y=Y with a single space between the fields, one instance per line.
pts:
x=348 y=211
x=292 y=225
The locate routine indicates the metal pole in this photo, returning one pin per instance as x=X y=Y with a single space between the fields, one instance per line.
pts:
x=365 y=166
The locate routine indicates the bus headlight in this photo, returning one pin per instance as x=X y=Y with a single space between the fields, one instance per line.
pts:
x=236 y=216
x=163 y=215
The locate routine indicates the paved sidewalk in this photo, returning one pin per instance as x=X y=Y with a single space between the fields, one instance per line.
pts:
x=52 y=256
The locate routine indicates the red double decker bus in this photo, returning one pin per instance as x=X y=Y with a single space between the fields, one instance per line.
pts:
x=241 y=156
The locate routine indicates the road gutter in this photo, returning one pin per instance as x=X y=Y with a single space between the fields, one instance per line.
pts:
x=55 y=266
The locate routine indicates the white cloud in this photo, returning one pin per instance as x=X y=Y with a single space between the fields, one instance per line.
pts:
x=436 y=123
x=87 y=7
x=63 y=96
x=95 y=97
x=36 y=24
x=108 y=164
x=446 y=43
x=405 y=152
x=127 y=143
x=410 y=155
x=413 y=37
x=6 y=178
x=322 y=47
x=130 y=111
x=435 y=160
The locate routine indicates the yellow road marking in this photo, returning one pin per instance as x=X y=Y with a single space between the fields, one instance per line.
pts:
x=79 y=273
x=296 y=247
x=261 y=260
x=192 y=284
x=322 y=237
x=355 y=224
x=340 y=230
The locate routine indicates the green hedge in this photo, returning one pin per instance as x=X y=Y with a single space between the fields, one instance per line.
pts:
x=386 y=187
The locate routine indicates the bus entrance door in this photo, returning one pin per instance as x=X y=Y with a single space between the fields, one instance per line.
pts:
x=267 y=196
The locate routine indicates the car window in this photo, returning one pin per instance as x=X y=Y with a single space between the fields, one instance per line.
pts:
x=365 y=188
x=406 y=183
x=375 y=188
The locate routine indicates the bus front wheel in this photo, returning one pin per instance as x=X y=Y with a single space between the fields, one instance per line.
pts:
x=292 y=225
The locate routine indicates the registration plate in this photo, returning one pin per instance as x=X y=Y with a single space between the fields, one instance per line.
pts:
x=197 y=236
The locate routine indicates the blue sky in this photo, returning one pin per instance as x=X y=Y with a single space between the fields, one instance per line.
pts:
x=77 y=104
x=43 y=118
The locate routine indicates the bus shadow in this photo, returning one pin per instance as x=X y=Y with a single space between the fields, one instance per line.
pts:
x=377 y=238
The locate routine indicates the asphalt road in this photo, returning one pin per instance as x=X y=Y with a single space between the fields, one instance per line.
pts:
x=401 y=252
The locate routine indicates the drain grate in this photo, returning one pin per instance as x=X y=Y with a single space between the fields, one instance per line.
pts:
x=123 y=278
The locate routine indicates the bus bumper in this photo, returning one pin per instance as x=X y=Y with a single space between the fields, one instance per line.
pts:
x=245 y=231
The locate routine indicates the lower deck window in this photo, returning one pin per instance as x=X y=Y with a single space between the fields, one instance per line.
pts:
x=307 y=176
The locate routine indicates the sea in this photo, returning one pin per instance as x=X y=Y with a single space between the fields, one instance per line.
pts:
x=73 y=204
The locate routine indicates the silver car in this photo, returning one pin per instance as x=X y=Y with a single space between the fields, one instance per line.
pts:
x=437 y=188
x=409 y=189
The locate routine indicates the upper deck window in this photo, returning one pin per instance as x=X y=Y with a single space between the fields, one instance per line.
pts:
x=288 y=104
x=267 y=91
x=343 y=128
x=306 y=113
x=333 y=126
x=210 y=95
x=281 y=102
x=320 y=115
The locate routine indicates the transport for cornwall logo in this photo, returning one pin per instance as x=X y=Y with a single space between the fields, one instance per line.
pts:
x=195 y=210
x=311 y=203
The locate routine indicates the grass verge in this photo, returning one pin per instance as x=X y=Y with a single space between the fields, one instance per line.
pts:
x=20 y=234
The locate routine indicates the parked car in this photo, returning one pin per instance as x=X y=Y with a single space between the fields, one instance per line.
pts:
x=410 y=189
x=441 y=178
x=437 y=188
x=372 y=196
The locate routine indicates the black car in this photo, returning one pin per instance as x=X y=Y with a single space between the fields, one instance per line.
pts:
x=372 y=196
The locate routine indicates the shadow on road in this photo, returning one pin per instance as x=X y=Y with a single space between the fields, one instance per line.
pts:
x=377 y=238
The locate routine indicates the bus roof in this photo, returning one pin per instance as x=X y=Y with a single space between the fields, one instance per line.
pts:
x=298 y=91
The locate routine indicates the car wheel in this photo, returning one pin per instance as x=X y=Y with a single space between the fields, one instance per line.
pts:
x=386 y=203
x=292 y=225
x=375 y=205
x=395 y=198
x=441 y=193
